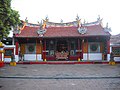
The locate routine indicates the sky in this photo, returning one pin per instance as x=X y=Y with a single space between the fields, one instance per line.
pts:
x=67 y=10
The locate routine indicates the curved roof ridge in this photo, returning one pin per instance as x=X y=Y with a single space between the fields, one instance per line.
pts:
x=92 y=23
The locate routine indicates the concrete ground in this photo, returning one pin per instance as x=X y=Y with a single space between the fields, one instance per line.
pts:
x=60 y=77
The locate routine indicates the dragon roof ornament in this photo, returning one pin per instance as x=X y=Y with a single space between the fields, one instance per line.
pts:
x=107 y=29
x=76 y=23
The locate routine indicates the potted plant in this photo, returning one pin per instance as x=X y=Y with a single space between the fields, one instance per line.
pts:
x=13 y=62
x=112 y=61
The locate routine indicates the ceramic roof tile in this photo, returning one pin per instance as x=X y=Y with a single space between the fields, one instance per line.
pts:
x=94 y=30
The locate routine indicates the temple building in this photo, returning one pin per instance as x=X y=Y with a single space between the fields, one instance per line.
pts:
x=70 y=41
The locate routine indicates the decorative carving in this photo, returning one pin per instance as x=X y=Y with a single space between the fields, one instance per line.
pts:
x=74 y=23
x=42 y=29
x=26 y=20
x=82 y=30
x=107 y=29
x=61 y=21
x=16 y=30
x=77 y=17
x=78 y=20
x=98 y=18
x=46 y=19
x=41 y=32
x=84 y=21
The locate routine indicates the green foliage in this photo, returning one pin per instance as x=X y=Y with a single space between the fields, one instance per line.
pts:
x=8 y=18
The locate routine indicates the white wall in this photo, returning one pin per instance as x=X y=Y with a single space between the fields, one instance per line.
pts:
x=92 y=56
x=2 y=56
x=32 y=57
x=108 y=57
x=117 y=58
x=16 y=58
x=28 y=57
x=9 y=59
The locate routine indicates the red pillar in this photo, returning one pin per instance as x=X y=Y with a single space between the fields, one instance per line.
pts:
x=82 y=49
x=1 y=62
x=79 y=48
x=87 y=51
x=16 y=48
x=68 y=49
x=1 y=51
x=44 y=50
x=78 y=44
x=108 y=47
x=36 y=50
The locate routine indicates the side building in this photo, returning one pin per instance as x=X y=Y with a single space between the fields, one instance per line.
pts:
x=115 y=46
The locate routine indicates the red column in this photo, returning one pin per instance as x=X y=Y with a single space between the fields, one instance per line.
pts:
x=44 y=50
x=108 y=47
x=79 y=49
x=36 y=50
x=68 y=49
x=82 y=49
x=16 y=48
x=87 y=51
x=1 y=62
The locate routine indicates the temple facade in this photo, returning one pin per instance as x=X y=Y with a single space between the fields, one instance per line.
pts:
x=50 y=41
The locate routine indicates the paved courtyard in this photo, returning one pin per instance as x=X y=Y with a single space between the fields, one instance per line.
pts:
x=60 y=77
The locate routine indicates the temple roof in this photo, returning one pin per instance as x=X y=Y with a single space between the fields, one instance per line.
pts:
x=62 y=31
x=95 y=30
x=115 y=39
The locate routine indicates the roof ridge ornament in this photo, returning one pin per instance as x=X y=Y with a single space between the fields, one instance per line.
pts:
x=41 y=31
x=107 y=29
x=84 y=21
x=46 y=18
x=77 y=17
x=107 y=25
x=45 y=21
x=67 y=24
x=17 y=29
x=26 y=20
x=78 y=20
x=97 y=22
x=61 y=21
x=99 y=19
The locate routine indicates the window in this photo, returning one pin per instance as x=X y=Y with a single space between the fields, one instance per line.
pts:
x=52 y=52
x=116 y=51
x=73 y=47
x=50 y=46
x=8 y=52
x=94 y=47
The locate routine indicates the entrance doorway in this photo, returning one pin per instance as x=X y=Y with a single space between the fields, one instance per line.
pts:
x=62 y=50
x=62 y=46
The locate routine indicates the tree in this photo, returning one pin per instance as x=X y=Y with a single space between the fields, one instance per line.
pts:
x=8 y=18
